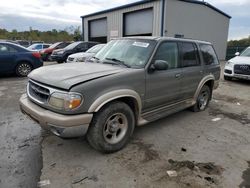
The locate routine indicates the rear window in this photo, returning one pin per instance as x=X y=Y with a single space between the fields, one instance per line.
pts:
x=208 y=54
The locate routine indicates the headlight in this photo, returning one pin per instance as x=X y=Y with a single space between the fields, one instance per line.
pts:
x=80 y=59
x=60 y=52
x=65 y=101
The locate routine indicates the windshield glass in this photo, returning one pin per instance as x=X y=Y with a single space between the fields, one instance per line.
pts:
x=71 y=46
x=95 y=48
x=132 y=52
x=54 y=45
x=246 y=53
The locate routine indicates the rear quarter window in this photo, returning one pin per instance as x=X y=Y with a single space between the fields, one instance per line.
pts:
x=208 y=54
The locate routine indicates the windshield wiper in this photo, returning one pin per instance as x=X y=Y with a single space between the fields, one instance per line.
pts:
x=116 y=62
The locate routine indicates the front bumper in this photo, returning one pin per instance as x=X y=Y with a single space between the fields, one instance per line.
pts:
x=229 y=71
x=60 y=125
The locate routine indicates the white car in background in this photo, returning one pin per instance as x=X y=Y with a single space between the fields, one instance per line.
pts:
x=83 y=56
x=239 y=66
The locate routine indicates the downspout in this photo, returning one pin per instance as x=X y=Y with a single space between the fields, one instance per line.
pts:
x=83 y=39
x=162 y=16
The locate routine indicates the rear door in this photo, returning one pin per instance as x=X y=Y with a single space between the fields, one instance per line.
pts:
x=7 y=58
x=210 y=59
x=192 y=70
x=163 y=87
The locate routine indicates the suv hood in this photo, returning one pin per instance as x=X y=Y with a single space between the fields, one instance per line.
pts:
x=240 y=60
x=65 y=76
x=81 y=54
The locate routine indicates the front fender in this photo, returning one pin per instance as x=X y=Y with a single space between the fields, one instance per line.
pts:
x=110 y=96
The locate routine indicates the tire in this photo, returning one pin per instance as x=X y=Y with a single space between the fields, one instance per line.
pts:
x=111 y=127
x=227 y=78
x=203 y=99
x=59 y=62
x=23 y=69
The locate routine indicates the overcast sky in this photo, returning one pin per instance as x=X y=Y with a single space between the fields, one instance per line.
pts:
x=58 y=14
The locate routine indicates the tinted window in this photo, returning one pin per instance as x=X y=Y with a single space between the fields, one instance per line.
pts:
x=6 y=49
x=209 y=55
x=168 y=51
x=3 y=49
x=189 y=55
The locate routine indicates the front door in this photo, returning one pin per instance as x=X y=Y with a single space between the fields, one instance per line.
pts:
x=163 y=87
x=6 y=59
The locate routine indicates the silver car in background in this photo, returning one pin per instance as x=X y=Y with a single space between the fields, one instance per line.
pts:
x=83 y=56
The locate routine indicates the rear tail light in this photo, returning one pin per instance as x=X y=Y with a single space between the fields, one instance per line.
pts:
x=36 y=55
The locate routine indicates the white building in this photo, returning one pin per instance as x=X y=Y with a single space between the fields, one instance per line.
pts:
x=172 y=18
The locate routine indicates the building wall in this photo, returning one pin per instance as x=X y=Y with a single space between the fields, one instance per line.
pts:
x=115 y=20
x=197 y=22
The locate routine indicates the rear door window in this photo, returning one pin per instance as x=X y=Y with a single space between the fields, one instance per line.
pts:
x=208 y=54
x=189 y=55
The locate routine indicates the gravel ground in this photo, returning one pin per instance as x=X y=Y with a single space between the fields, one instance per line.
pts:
x=206 y=149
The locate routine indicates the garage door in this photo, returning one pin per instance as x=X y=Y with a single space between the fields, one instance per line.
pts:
x=98 y=30
x=138 y=23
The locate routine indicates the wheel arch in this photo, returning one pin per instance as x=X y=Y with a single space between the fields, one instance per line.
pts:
x=208 y=80
x=128 y=96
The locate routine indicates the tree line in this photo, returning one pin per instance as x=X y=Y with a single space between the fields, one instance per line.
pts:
x=241 y=42
x=68 y=34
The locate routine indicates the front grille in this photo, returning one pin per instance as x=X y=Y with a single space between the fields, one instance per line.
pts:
x=71 y=59
x=38 y=92
x=242 y=69
x=228 y=71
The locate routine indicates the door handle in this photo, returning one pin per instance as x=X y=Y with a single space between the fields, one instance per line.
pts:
x=178 y=75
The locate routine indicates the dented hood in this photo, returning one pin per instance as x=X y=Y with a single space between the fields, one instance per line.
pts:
x=65 y=76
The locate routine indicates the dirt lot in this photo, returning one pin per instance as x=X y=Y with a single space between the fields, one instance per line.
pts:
x=207 y=149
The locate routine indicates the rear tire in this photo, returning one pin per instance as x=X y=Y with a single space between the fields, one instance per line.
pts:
x=203 y=99
x=111 y=127
x=227 y=78
x=23 y=69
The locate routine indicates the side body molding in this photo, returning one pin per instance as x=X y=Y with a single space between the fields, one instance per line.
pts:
x=116 y=94
x=209 y=77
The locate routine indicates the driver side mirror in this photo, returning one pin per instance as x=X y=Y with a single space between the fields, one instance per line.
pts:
x=237 y=53
x=159 y=65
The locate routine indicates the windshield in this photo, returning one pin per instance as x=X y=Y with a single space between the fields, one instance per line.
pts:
x=132 y=52
x=95 y=48
x=246 y=53
x=71 y=46
x=54 y=45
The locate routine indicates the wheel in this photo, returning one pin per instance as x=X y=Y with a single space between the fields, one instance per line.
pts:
x=23 y=69
x=227 y=78
x=111 y=127
x=203 y=99
x=60 y=61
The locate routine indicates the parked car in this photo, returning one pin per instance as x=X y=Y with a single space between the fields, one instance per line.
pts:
x=17 y=59
x=46 y=53
x=82 y=56
x=38 y=46
x=131 y=81
x=239 y=66
x=23 y=43
x=61 y=55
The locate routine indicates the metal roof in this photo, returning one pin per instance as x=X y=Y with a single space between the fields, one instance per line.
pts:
x=208 y=5
x=148 y=1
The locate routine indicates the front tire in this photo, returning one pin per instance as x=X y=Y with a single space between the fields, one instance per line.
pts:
x=111 y=127
x=203 y=99
x=23 y=69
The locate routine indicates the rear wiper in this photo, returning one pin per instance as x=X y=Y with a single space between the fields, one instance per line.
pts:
x=117 y=61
